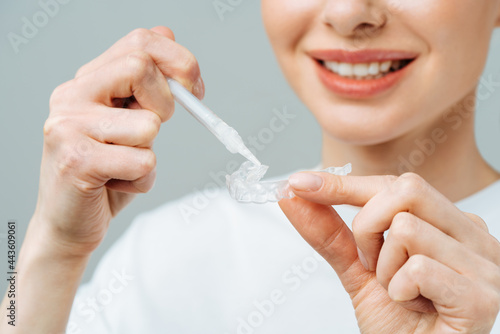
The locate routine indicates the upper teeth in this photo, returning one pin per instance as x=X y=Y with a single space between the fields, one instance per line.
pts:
x=362 y=70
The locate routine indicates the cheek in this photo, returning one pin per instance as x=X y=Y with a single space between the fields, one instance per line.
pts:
x=457 y=35
x=287 y=22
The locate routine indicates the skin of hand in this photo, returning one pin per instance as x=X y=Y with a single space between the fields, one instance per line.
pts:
x=437 y=271
x=98 y=138
x=97 y=155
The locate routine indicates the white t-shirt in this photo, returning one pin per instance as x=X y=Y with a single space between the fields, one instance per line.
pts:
x=210 y=265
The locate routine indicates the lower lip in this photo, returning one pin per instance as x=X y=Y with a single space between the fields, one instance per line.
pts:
x=359 y=89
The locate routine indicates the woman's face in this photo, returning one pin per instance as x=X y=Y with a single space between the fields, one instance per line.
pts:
x=371 y=71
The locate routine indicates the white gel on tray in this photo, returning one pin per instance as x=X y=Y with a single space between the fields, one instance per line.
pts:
x=245 y=186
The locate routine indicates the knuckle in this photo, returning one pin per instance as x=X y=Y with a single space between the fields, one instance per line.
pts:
x=148 y=162
x=477 y=220
x=417 y=266
x=151 y=126
x=139 y=38
x=403 y=227
x=409 y=184
x=170 y=33
x=156 y=122
x=168 y=111
x=139 y=64
x=69 y=160
x=59 y=95
x=81 y=71
x=337 y=186
x=189 y=65
x=474 y=217
x=49 y=127
x=55 y=127
x=411 y=179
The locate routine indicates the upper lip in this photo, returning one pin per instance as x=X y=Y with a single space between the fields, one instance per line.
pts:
x=361 y=56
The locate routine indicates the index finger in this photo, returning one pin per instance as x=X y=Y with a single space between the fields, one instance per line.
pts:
x=328 y=189
x=382 y=198
x=173 y=59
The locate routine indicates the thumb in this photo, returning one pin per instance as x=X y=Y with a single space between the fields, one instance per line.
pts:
x=321 y=226
x=164 y=31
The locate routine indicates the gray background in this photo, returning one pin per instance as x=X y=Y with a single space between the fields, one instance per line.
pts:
x=244 y=85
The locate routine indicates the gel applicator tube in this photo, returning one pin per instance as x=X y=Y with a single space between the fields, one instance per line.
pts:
x=226 y=134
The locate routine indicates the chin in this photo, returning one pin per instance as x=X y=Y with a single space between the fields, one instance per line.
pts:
x=359 y=135
x=362 y=123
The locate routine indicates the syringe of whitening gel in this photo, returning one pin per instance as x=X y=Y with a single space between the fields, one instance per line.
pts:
x=226 y=134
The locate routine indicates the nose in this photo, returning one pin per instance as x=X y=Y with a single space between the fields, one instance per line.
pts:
x=350 y=18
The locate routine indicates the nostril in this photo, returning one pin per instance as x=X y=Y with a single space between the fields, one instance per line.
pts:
x=366 y=26
x=365 y=31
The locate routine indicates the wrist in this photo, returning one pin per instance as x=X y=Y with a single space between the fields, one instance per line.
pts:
x=61 y=241
x=43 y=240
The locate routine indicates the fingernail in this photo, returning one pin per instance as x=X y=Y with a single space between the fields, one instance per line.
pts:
x=199 y=88
x=362 y=258
x=305 y=182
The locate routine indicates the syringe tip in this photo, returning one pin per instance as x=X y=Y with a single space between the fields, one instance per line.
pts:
x=249 y=155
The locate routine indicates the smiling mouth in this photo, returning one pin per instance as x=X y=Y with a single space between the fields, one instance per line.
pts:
x=362 y=74
x=365 y=71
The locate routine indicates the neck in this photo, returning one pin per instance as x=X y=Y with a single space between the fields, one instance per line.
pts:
x=443 y=152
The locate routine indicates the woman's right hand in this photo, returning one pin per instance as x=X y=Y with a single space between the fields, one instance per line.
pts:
x=99 y=135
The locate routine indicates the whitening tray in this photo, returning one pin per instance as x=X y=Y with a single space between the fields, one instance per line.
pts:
x=245 y=186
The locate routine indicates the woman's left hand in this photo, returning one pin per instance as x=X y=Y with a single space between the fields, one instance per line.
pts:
x=438 y=270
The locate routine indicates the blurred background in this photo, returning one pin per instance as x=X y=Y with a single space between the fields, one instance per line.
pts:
x=243 y=85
